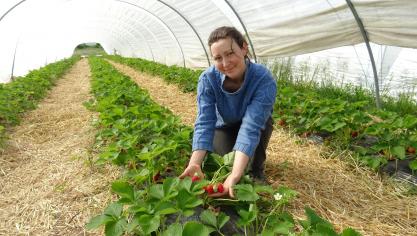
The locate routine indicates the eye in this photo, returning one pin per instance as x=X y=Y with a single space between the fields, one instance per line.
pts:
x=217 y=58
x=230 y=53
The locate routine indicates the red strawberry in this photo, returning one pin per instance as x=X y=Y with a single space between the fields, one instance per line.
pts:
x=209 y=189
x=195 y=178
x=354 y=134
x=156 y=177
x=220 y=188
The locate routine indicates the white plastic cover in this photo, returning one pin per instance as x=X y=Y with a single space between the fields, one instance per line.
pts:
x=37 y=32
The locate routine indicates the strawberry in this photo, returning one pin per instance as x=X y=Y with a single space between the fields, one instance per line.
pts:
x=411 y=150
x=209 y=189
x=220 y=188
x=156 y=177
x=195 y=178
x=354 y=134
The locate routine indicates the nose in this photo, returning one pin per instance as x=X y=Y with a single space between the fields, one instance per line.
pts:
x=225 y=62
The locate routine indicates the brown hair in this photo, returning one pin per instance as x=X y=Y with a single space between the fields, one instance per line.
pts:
x=227 y=32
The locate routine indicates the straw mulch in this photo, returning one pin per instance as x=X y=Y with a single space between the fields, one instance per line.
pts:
x=47 y=183
x=345 y=194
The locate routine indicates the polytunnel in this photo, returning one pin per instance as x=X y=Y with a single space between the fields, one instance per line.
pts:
x=370 y=43
x=99 y=144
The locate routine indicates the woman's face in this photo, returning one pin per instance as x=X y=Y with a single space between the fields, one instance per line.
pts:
x=229 y=58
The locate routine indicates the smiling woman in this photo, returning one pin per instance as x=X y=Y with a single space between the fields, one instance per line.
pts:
x=235 y=101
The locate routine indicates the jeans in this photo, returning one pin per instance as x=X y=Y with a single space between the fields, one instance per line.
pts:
x=225 y=138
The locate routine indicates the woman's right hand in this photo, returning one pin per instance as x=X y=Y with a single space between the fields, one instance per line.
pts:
x=191 y=170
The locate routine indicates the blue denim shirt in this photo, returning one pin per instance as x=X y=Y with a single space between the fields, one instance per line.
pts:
x=251 y=105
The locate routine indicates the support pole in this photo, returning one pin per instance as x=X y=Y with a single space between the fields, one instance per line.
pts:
x=244 y=28
x=192 y=27
x=371 y=56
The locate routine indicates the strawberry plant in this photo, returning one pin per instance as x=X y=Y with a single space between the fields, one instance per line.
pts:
x=24 y=93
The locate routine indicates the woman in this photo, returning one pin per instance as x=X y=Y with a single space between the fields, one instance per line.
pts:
x=235 y=99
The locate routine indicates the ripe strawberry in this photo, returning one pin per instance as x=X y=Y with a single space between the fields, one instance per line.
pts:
x=209 y=189
x=354 y=134
x=281 y=122
x=195 y=178
x=220 y=188
x=156 y=177
x=411 y=150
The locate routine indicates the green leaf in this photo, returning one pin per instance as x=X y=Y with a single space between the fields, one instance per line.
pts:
x=246 y=217
x=149 y=223
x=114 y=209
x=338 y=126
x=268 y=233
x=324 y=229
x=173 y=230
x=264 y=189
x=156 y=191
x=413 y=165
x=165 y=208
x=116 y=228
x=187 y=201
x=410 y=121
x=97 y=221
x=283 y=227
x=123 y=189
x=185 y=184
x=229 y=158
x=245 y=192
x=222 y=220
x=193 y=228
x=208 y=218
x=314 y=219
x=169 y=185
x=399 y=151
x=350 y=232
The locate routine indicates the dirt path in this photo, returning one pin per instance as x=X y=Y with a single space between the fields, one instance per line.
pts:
x=346 y=196
x=47 y=186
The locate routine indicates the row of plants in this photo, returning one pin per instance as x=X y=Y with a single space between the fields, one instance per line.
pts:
x=375 y=136
x=186 y=78
x=23 y=93
x=320 y=79
x=343 y=120
x=152 y=147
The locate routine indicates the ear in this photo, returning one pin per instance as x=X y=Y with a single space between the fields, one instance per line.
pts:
x=245 y=48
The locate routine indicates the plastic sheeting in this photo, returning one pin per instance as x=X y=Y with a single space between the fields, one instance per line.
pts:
x=37 y=32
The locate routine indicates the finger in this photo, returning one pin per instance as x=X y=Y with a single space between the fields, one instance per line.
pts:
x=183 y=175
x=231 y=194
x=215 y=195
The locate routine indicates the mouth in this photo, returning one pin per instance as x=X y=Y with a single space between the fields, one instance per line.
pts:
x=228 y=71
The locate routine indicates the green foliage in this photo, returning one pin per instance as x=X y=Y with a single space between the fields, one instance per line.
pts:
x=24 y=93
x=187 y=79
x=346 y=123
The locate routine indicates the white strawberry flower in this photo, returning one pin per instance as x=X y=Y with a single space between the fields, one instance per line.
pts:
x=277 y=196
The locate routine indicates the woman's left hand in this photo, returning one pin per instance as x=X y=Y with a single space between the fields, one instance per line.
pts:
x=227 y=187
